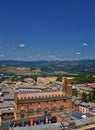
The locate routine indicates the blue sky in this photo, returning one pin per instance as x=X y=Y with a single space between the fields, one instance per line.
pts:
x=47 y=29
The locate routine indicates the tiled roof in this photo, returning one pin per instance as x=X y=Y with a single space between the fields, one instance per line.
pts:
x=7 y=111
x=9 y=97
x=5 y=105
x=84 y=104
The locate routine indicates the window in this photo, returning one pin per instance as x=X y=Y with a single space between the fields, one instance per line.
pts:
x=54 y=109
x=64 y=100
x=30 y=112
x=46 y=109
x=61 y=108
x=53 y=119
x=22 y=116
x=39 y=110
x=22 y=111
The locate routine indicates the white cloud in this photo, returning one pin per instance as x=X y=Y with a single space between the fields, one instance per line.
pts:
x=38 y=55
x=85 y=44
x=21 y=45
x=29 y=57
x=57 y=58
x=1 y=55
x=43 y=58
x=78 y=53
x=51 y=56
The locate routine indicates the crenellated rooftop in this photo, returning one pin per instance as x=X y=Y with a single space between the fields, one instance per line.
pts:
x=52 y=91
x=39 y=95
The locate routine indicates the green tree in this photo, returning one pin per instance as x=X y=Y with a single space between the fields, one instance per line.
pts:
x=74 y=93
x=84 y=79
x=94 y=94
x=59 y=77
x=34 y=77
x=84 y=97
x=90 y=97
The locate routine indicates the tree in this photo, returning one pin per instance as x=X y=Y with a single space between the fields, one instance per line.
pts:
x=94 y=94
x=59 y=78
x=84 y=97
x=34 y=77
x=90 y=97
x=74 y=93
x=84 y=79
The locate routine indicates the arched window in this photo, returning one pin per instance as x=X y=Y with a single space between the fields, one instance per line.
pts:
x=46 y=109
x=53 y=119
x=22 y=116
x=61 y=108
x=30 y=112
x=54 y=109
x=38 y=110
x=22 y=111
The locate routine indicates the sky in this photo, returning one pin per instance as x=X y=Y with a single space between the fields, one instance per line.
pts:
x=47 y=29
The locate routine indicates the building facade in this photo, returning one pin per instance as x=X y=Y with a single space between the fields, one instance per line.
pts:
x=46 y=80
x=44 y=107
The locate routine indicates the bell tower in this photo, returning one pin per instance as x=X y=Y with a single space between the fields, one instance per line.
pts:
x=67 y=86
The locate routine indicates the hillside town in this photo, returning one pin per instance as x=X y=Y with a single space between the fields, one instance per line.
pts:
x=46 y=104
x=47 y=65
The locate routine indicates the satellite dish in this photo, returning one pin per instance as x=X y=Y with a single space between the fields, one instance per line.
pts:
x=83 y=116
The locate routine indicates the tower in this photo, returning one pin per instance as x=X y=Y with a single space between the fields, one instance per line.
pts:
x=67 y=87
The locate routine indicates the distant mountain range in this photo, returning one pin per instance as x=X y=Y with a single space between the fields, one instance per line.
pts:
x=74 y=66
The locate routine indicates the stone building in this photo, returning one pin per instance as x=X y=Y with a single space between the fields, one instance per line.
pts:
x=43 y=107
x=46 y=80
